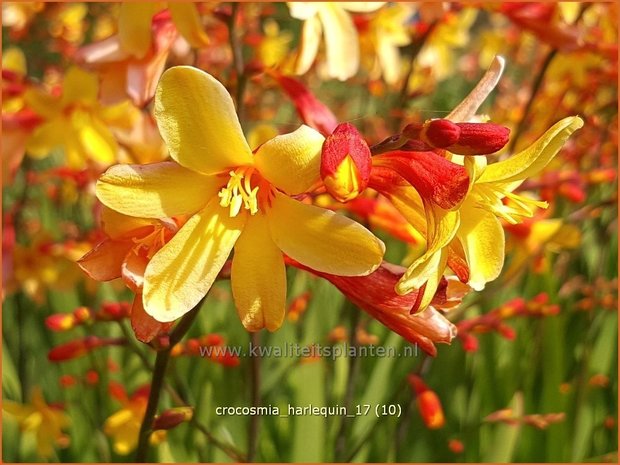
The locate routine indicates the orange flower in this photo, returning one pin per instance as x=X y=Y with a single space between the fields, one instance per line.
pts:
x=131 y=243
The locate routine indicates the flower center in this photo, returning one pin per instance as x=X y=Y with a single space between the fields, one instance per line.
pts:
x=239 y=192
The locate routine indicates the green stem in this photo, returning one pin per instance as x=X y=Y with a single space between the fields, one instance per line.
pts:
x=255 y=395
x=159 y=372
x=354 y=369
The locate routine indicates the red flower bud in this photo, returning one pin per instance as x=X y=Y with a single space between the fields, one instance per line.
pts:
x=440 y=133
x=82 y=314
x=480 y=139
x=428 y=402
x=345 y=163
x=173 y=417
x=60 y=321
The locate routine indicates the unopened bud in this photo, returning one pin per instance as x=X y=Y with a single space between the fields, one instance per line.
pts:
x=431 y=410
x=345 y=163
x=440 y=133
x=460 y=138
x=173 y=417
x=60 y=321
x=82 y=314
x=480 y=139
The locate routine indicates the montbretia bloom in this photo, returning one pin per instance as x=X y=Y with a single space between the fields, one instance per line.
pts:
x=234 y=198
x=474 y=246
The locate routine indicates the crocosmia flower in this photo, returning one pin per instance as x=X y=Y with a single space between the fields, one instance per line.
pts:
x=234 y=198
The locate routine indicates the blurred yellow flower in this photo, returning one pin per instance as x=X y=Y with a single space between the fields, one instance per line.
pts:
x=77 y=122
x=124 y=426
x=380 y=41
x=134 y=24
x=47 y=422
x=235 y=199
x=332 y=20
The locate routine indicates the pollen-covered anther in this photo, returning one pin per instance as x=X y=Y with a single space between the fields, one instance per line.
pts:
x=239 y=192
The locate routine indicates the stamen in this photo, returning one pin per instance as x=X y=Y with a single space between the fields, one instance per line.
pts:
x=239 y=193
x=519 y=206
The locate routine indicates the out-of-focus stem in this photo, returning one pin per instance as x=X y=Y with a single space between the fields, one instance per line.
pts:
x=255 y=396
x=236 y=46
x=538 y=80
x=415 y=49
x=341 y=439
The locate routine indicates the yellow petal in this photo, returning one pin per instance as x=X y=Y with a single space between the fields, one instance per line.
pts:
x=341 y=42
x=197 y=120
x=118 y=226
x=46 y=137
x=309 y=45
x=260 y=134
x=323 y=240
x=116 y=421
x=96 y=140
x=134 y=27
x=182 y=272
x=291 y=161
x=533 y=159
x=158 y=190
x=79 y=86
x=42 y=103
x=187 y=21
x=258 y=277
x=13 y=59
x=433 y=279
x=482 y=238
x=442 y=226
x=302 y=10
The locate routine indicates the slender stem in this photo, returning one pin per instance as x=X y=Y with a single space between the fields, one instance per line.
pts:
x=538 y=80
x=230 y=451
x=255 y=395
x=159 y=372
x=354 y=367
x=235 y=36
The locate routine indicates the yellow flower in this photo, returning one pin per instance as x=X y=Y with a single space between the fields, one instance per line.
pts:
x=380 y=42
x=474 y=231
x=235 y=199
x=134 y=25
x=40 y=418
x=77 y=122
x=124 y=426
x=341 y=43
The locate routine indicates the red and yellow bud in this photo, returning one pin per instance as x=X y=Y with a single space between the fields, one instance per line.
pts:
x=345 y=163
x=428 y=402
x=173 y=417
x=60 y=321
x=298 y=306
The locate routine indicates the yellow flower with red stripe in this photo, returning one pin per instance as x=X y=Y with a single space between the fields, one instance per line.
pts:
x=234 y=199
